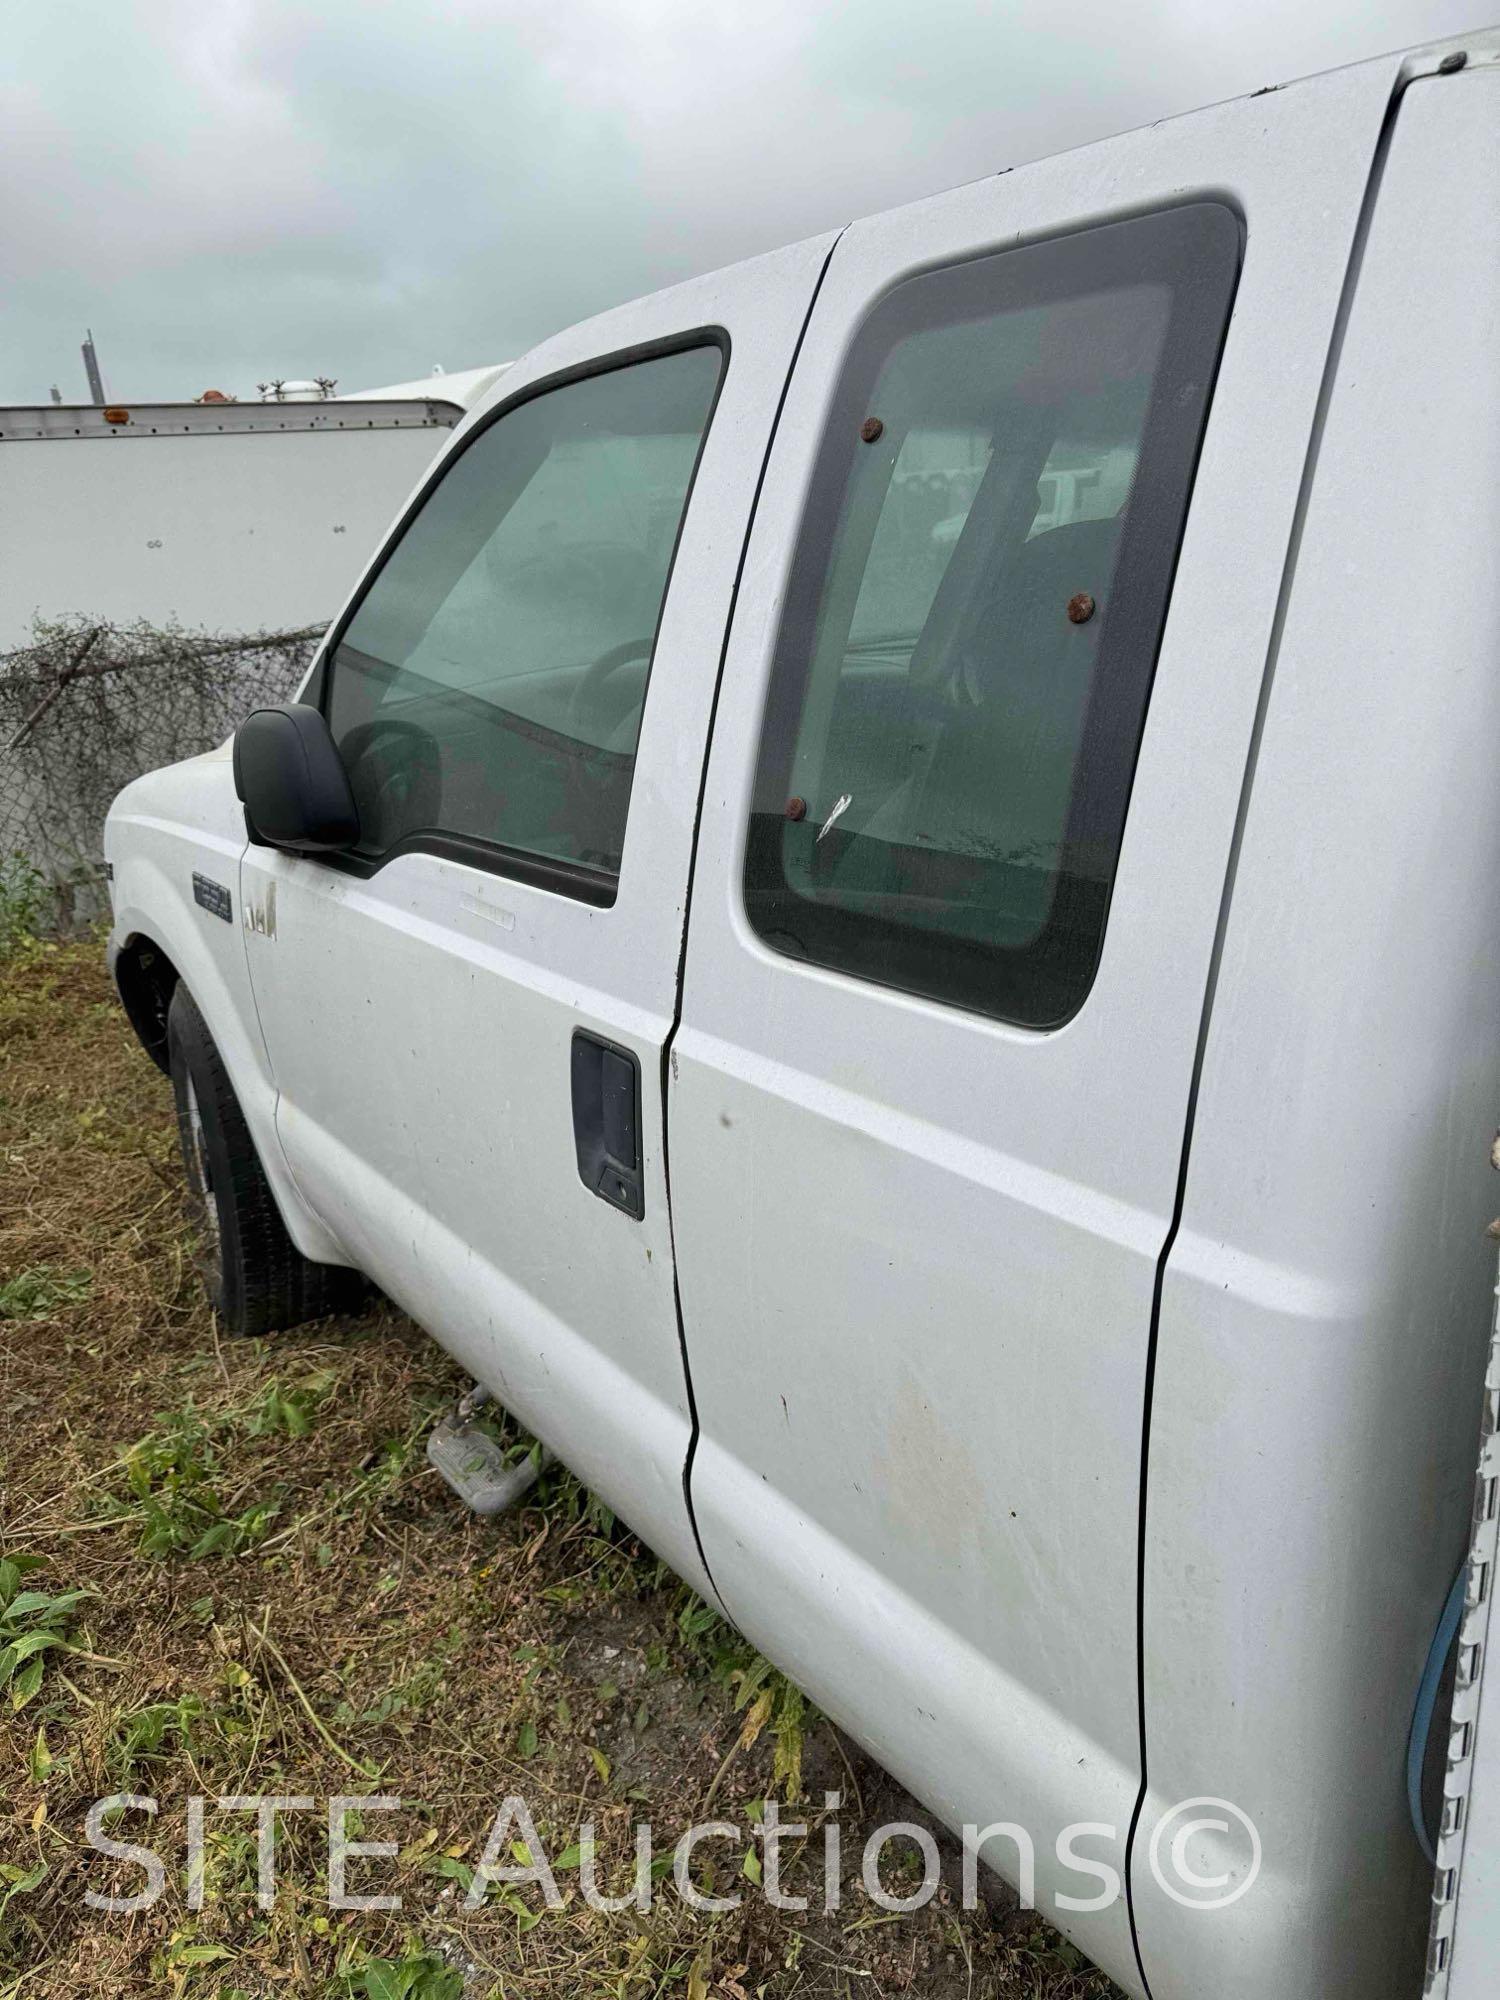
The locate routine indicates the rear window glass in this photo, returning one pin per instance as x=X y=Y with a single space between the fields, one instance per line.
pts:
x=961 y=677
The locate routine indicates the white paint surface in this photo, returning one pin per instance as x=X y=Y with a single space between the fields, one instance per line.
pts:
x=259 y=530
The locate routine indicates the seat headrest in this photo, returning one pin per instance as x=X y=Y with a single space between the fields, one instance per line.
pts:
x=1058 y=564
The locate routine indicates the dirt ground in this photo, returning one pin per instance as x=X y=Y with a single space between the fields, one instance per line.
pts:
x=231 y=1572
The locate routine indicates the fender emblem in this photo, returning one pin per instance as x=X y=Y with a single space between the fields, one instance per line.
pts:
x=213 y=897
x=261 y=917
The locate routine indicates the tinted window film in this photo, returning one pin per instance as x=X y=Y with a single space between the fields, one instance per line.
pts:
x=975 y=607
x=491 y=683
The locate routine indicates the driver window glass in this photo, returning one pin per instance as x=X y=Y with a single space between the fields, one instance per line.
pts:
x=491 y=684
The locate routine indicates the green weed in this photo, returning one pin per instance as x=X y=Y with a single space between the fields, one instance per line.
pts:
x=33 y=1295
x=33 y=1623
x=153 y=1733
x=16 y=1883
x=23 y=903
x=289 y=1408
x=761 y=1692
x=408 y=1696
x=416 y=1975
x=173 y=1496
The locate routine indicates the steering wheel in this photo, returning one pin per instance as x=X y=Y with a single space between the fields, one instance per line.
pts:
x=586 y=695
x=396 y=774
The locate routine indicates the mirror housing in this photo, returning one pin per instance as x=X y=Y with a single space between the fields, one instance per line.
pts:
x=292 y=782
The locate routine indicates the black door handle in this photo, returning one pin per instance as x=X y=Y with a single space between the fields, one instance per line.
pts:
x=607 y=1122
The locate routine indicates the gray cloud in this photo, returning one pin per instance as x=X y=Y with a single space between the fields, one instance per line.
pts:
x=363 y=189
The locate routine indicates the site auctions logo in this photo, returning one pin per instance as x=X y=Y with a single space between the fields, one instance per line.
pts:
x=1204 y=1853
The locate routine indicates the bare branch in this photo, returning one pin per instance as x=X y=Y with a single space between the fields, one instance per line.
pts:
x=68 y=673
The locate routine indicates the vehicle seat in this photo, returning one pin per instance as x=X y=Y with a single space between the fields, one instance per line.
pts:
x=975 y=827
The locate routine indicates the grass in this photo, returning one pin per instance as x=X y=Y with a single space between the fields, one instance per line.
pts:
x=32 y=1623
x=23 y=903
x=229 y=1570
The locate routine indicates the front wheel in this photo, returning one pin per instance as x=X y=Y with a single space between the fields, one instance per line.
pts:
x=256 y=1278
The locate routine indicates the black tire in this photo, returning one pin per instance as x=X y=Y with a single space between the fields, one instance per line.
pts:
x=256 y=1278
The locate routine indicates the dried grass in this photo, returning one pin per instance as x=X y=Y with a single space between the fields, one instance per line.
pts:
x=370 y=1636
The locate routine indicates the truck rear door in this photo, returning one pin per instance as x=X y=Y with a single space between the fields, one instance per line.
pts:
x=943 y=991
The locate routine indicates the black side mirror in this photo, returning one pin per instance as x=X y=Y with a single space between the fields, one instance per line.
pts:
x=288 y=773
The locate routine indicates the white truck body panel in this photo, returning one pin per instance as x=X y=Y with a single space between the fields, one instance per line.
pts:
x=186 y=819
x=464 y=386
x=1323 y=1320
x=1082 y=1415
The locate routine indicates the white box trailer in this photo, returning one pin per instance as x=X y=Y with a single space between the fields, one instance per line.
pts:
x=232 y=517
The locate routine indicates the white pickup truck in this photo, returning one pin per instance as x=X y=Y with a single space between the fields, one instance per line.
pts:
x=883 y=910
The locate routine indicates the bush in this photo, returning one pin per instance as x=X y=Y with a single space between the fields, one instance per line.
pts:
x=23 y=902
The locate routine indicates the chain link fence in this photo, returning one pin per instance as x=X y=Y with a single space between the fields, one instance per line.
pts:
x=87 y=707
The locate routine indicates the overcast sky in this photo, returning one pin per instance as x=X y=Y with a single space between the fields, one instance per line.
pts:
x=364 y=188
